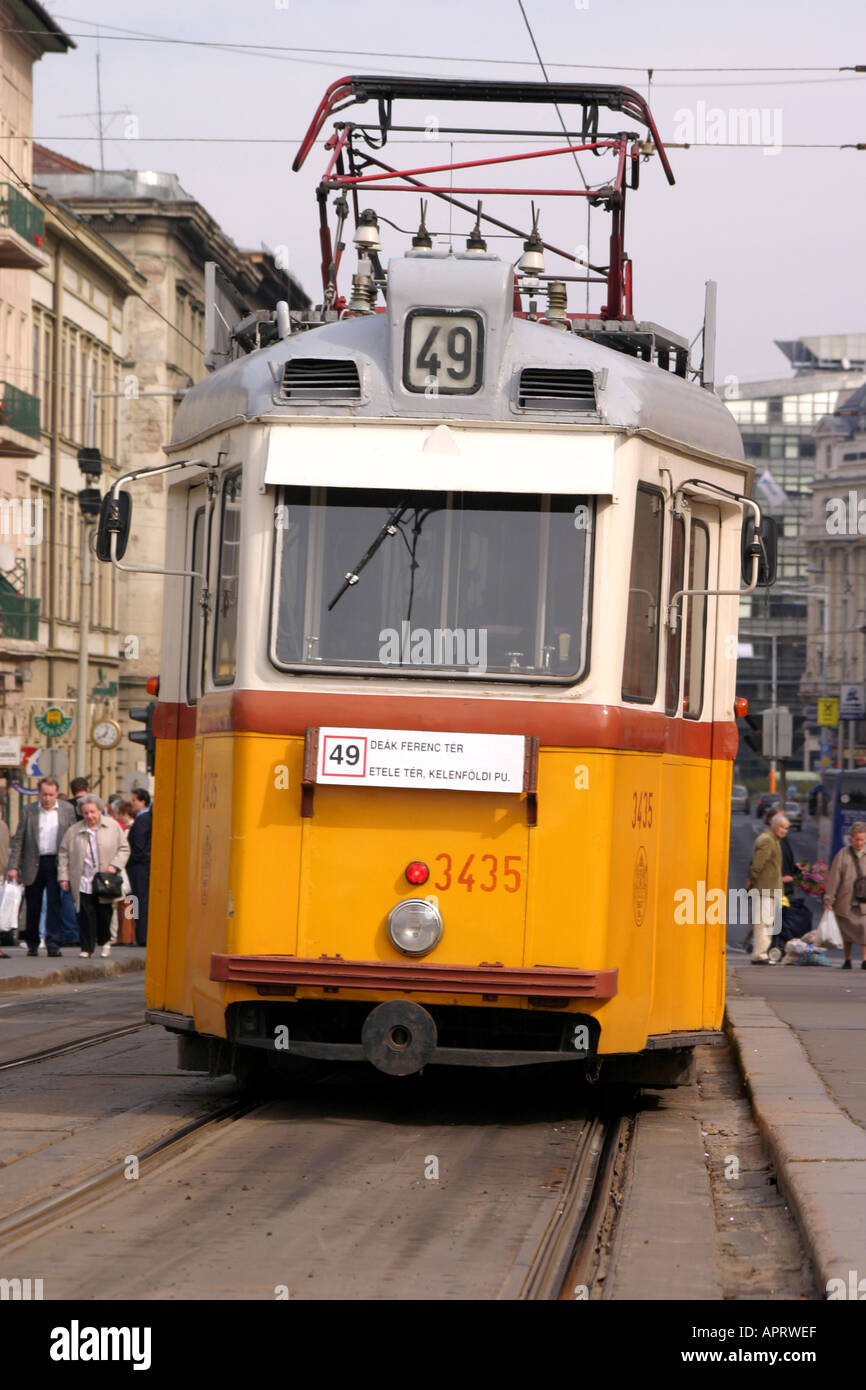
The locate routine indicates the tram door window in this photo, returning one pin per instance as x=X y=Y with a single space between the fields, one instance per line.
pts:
x=696 y=621
x=641 y=660
x=672 y=657
x=226 y=619
x=195 y=623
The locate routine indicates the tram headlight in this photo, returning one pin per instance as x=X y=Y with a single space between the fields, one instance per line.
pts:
x=415 y=926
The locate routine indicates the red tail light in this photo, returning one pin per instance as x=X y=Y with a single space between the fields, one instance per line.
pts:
x=417 y=871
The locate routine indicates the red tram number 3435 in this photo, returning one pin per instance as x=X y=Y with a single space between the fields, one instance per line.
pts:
x=488 y=868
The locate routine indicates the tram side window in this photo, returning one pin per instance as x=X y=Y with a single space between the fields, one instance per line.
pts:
x=696 y=622
x=641 y=660
x=672 y=656
x=196 y=619
x=226 y=619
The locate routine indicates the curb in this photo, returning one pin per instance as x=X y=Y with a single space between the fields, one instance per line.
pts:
x=72 y=974
x=818 y=1152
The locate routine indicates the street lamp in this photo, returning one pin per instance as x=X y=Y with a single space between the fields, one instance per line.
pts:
x=89 y=504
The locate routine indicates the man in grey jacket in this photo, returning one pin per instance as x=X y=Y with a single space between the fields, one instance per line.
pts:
x=33 y=859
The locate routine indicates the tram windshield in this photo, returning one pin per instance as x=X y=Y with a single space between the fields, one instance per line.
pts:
x=475 y=584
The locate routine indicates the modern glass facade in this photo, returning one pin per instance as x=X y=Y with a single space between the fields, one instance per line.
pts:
x=777 y=419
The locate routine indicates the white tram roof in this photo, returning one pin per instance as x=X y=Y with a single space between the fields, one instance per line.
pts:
x=357 y=364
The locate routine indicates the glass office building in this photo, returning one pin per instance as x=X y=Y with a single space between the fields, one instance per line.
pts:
x=777 y=419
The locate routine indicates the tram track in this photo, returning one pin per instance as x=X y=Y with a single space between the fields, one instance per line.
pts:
x=46 y=1054
x=29 y=1223
x=560 y=1265
x=536 y=1244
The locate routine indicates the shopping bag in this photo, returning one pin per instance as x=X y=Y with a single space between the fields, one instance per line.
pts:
x=813 y=955
x=828 y=929
x=10 y=906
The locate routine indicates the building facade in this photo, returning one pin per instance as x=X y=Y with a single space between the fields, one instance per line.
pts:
x=78 y=349
x=836 y=544
x=27 y=34
x=168 y=237
x=777 y=419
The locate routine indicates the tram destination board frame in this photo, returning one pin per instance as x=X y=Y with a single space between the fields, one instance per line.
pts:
x=420 y=759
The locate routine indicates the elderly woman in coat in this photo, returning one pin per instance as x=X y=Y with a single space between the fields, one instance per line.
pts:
x=849 y=865
x=94 y=844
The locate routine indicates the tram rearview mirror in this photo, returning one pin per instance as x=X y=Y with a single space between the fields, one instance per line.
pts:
x=115 y=516
x=766 y=550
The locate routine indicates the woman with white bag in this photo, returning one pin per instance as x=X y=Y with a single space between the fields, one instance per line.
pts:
x=846 y=893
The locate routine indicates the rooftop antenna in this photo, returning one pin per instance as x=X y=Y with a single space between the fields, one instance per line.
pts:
x=99 y=114
x=99 y=102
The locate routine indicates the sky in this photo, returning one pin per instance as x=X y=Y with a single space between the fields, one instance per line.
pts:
x=778 y=226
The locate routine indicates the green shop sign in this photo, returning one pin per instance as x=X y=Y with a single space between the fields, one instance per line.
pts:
x=53 y=722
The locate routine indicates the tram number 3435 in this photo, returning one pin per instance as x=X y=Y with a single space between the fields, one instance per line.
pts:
x=492 y=871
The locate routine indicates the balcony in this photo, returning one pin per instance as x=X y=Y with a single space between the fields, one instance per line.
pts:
x=19 y=616
x=20 y=429
x=22 y=231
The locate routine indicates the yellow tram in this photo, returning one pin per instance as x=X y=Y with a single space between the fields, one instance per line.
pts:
x=446 y=706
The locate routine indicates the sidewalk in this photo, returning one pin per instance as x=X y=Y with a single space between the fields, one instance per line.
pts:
x=21 y=971
x=800 y=1033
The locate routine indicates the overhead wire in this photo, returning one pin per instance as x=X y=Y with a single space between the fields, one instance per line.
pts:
x=296 y=140
x=287 y=53
x=565 y=133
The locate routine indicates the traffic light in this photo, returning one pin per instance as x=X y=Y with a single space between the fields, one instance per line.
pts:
x=143 y=714
x=755 y=739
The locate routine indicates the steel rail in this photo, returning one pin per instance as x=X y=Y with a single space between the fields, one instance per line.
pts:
x=585 y=1260
x=546 y=1264
x=28 y=1223
x=62 y=1049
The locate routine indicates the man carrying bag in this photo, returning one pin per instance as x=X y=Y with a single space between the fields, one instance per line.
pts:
x=33 y=858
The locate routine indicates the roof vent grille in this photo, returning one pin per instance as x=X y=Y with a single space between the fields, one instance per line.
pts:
x=556 y=388
x=320 y=379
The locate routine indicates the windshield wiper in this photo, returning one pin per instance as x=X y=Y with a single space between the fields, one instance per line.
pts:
x=389 y=529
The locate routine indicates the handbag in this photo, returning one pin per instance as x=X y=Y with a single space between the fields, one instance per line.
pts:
x=858 y=892
x=107 y=886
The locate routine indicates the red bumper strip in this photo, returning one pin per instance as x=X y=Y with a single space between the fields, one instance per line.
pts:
x=542 y=981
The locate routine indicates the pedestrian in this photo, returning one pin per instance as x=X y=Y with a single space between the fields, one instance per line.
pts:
x=95 y=844
x=796 y=917
x=33 y=856
x=139 y=859
x=765 y=874
x=846 y=893
x=4 y=860
x=122 y=928
x=78 y=788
